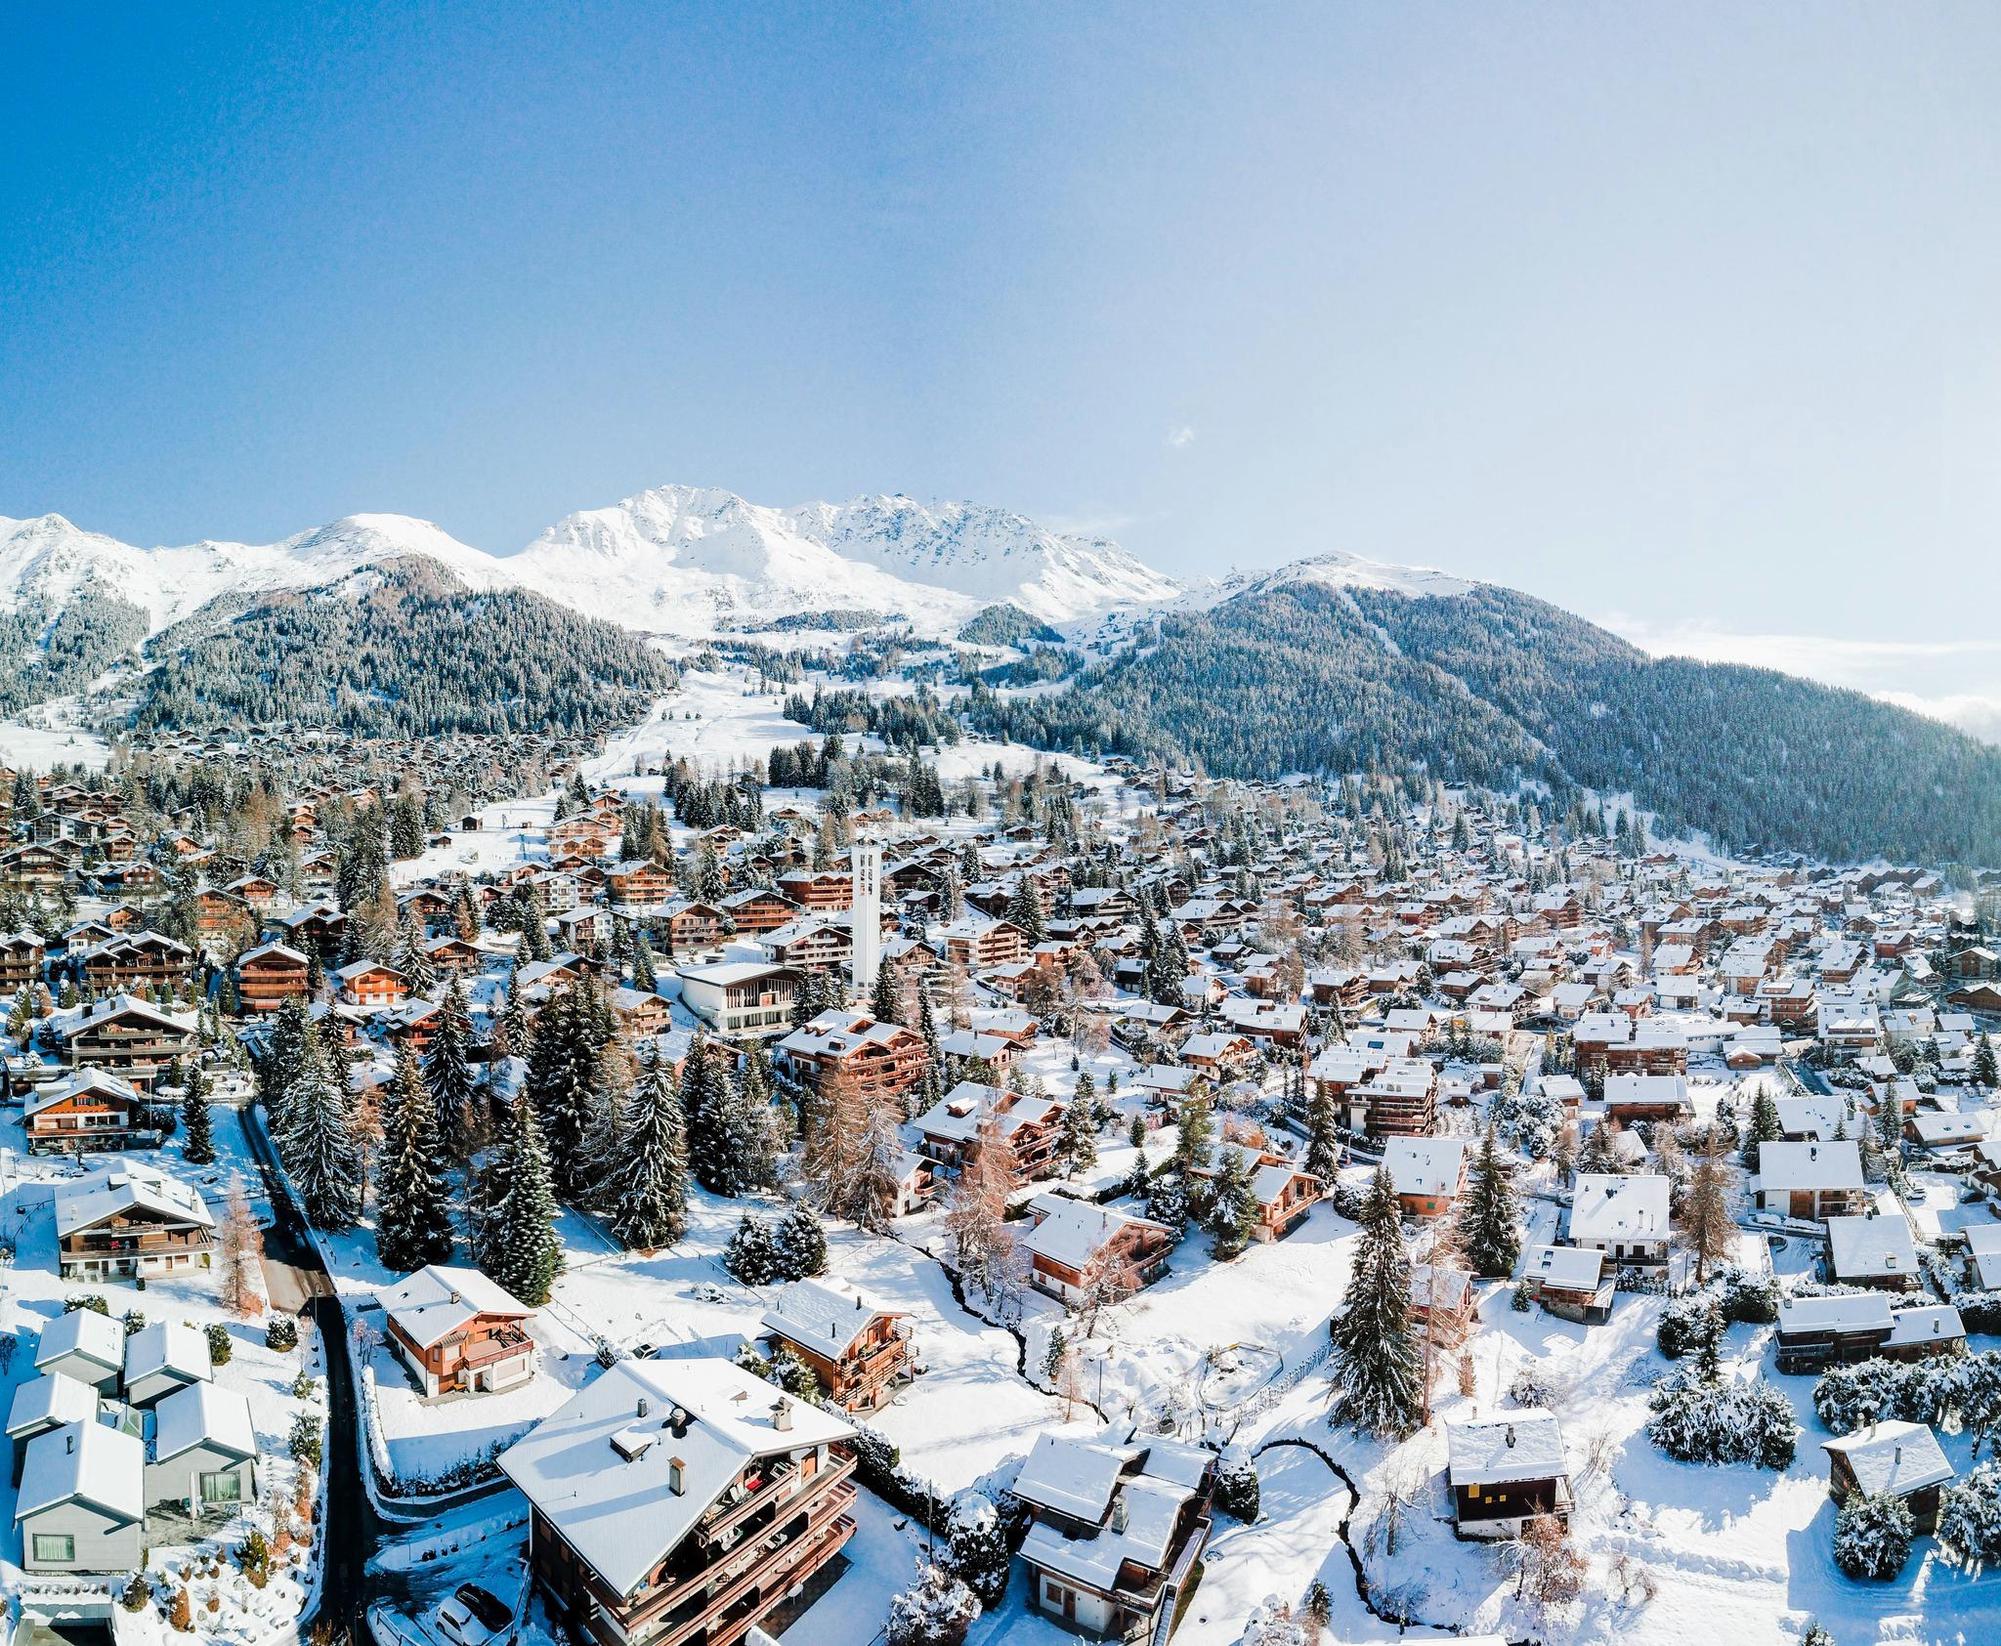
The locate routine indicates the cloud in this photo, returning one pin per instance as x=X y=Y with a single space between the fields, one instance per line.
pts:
x=1957 y=681
x=1182 y=434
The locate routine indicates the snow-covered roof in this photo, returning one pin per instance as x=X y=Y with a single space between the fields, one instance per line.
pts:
x=1924 y=1323
x=77 y=1084
x=83 y=1332
x=1070 y=1476
x=827 y=1314
x=167 y=1346
x=53 y=1398
x=1072 y=1232
x=1517 y=1446
x=437 y=1300
x=612 y=1446
x=1830 y=1165
x=1424 y=1165
x=1871 y=1246
x=1893 y=1457
x=127 y=1187
x=202 y=1414
x=1567 y=1268
x=87 y=1461
x=1846 y=1313
x=1609 y=1206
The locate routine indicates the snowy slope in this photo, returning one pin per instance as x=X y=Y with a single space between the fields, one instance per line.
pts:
x=689 y=561
x=1333 y=571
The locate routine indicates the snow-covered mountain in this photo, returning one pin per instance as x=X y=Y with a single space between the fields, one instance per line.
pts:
x=48 y=561
x=688 y=561
x=678 y=560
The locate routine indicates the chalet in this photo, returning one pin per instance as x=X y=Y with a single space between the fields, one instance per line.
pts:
x=87 y=1110
x=1892 y=1458
x=21 y=956
x=858 y=1349
x=1631 y=1097
x=457 y=1331
x=977 y=944
x=129 y=1037
x=1285 y=1193
x=84 y=1346
x=139 y=960
x=1115 y=1531
x=1401 y=1101
x=679 y=1502
x=881 y=1059
x=1818 y=1332
x=1570 y=1282
x=741 y=999
x=1429 y=1173
x=818 y=891
x=950 y=1131
x=201 y=1457
x=128 y=1221
x=810 y=943
x=220 y=913
x=269 y=975
x=81 y=1506
x=1219 y=1056
x=1624 y=1216
x=369 y=983
x=758 y=910
x=1872 y=1251
x=1504 y=1471
x=688 y=925
x=453 y=955
x=638 y=884
x=315 y=926
x=1809 y=1180
x=1078 y=1252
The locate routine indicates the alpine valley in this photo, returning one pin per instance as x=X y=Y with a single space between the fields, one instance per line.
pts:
x=957 y=617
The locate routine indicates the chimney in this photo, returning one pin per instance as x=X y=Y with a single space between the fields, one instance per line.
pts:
x=1511 y=1434
x=678 y=1421
x=642 y=1408
x=781 y=1415
x=1119 y=1513
x=677 y=1478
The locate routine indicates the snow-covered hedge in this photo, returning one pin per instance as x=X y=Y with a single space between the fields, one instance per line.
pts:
x=1963 y=1388
x=1969 y=1518
x=1695 y=1422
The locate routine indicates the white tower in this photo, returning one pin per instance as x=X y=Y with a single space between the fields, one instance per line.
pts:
x=865 y=915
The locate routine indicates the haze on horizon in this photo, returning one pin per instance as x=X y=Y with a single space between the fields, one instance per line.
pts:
x=1683 y=321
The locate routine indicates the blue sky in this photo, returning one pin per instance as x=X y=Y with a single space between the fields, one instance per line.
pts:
x=1685 y=318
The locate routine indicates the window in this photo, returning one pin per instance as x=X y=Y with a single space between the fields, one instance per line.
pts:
x=54 y=1546
x=223 y=1487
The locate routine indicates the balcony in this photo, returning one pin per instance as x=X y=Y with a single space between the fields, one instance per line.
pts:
x=781 y=1484
x=501 y=1345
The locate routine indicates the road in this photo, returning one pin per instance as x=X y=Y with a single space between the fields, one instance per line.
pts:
x=297 y=1280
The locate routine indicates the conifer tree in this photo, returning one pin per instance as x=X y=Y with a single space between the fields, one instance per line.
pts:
x=731 y=1149
x=562 y=1076
x=1323 y=1136
x=801 y=1243
x=197 y=1125
x=1764 y=1126
x=517 y=1210
x=412 y=1204
x=448 y=1074
x=319 y=1148
x=1233 y=1208
x=1707 y=1228
x=648 y=1185
x=412 y=959
x=643 y=977
x=1985 y=1072
x=1489 y=1221
x=1080 y=1128
x=1378 y=1361
x=885 y=1006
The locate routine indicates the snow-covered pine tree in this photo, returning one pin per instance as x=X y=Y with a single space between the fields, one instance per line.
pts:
x=800 y=1242
x=1233 y=1207
x=448 y=1074
x=1079 y=1145
x=1490 y=1227
x=411 y=958
x=1378 y=1363
x=1872 y=1536
x=1323 y=1136
x=728 y=1141
x=648 y=1185
x=197 y=1124
x=413 y=1224
x=936 y=1610
x=752 y=1253
x=1763 y=1127
x=1969 y=1518
x=562 y=1077
x=643 y=977
x=976 y=1548
x=517 y=1209
x=319 y=1149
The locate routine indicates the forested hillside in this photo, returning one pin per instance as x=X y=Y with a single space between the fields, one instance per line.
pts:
x=402 y=649
x=50 y=654
x=1495 y=687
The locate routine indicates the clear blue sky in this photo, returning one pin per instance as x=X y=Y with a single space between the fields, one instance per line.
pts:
x=1691 y=314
